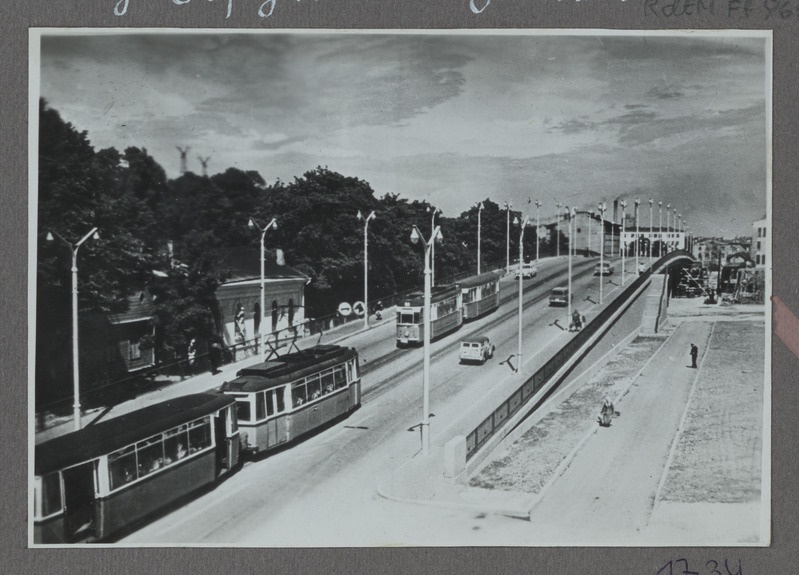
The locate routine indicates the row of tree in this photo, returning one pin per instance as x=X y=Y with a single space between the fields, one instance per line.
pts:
x=146 y=219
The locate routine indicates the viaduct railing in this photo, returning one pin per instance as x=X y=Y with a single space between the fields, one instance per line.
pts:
x=496 y=420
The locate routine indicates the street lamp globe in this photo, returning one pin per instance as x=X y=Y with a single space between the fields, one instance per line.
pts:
x=414 y=236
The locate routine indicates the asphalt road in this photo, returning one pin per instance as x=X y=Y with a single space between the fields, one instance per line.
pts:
x=322 y=491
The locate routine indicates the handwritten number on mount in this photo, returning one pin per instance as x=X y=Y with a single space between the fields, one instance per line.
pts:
x=672 y=568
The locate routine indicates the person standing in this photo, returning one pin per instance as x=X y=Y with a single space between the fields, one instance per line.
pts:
x=694 y=353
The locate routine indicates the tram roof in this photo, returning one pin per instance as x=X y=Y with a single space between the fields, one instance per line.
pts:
x=108 y=436
x=437 y=293
x=288 y=368
x=478 y=280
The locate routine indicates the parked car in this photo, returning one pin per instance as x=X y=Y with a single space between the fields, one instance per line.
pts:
x=642 y=267
x=476 y=349
x=560 y=296
x=605 y=269
x=528 y=271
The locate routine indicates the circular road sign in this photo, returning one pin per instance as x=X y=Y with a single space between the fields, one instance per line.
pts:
x=358 y=308
x=344 y=308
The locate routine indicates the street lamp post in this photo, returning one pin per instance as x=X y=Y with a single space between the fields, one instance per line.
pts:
x=674 y=225
x=623 y=244
x=590 y=218
x=508 y=206
x=253 y=223
x=660 y=228
x=366 y=220
x=521 y=260
x=601 y=208
x=571 y=213
x=651 y=201
x=637 y=239
x=416 y=237
x=537 y=227
x=557 y=230
x=75 y=368
x=433 y=249
x=479 y=221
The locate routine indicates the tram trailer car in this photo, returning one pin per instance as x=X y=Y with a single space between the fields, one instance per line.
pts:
x=94 y=482
x=284 y=398
x=446 y=303
x=480 y=295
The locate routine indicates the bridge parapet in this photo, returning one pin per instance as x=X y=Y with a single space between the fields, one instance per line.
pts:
x=530 y=394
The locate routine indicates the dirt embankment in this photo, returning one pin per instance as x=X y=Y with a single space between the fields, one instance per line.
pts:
x=530 y=461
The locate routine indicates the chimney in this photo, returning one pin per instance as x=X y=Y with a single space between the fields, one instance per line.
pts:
x=280 y=257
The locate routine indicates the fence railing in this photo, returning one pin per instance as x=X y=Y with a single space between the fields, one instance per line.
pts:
x=496 y=420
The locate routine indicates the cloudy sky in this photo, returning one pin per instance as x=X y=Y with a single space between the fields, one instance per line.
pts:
x=451 y=118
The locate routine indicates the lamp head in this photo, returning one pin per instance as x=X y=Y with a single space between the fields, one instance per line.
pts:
x=515 y=220
x=359 y=216
x=439 y=236
x=250 y=223
x=96 y=236
x=50 y=237
x=414 y=236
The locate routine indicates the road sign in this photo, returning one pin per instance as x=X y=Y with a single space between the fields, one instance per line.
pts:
x=344 y=309
x=358 y=308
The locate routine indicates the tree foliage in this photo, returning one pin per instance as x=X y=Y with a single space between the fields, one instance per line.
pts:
x=150 y=223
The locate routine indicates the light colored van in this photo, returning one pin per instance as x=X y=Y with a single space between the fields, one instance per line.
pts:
x=559 y=296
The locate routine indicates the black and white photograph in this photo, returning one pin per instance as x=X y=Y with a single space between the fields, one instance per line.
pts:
x=369 y=288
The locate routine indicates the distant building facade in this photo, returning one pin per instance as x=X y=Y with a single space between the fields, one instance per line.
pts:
x=239 y=297
x=759 y=247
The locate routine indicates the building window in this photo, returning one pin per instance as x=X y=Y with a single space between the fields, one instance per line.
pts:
x=763 y=259
x=135 y=349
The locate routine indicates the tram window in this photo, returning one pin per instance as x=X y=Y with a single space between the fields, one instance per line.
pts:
x=243 y=409
x=122 y=466
x=176 y=443
x=150 y=455
x=407 y=317
x=270 y=402
x=199 y=435
x=51 y=494
x=340 y=376
x=260 y=406
x=298 y=395
x=416 y=317
x=314 y=386
x=328 y=381
x=279 y=394
x=349 y=371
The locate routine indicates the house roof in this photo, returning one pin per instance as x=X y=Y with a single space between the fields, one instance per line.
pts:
x=141 y=306
x=245 y=264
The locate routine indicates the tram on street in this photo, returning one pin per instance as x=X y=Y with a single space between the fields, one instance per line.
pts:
x=94 y=482
x=446 y=315
x=286 y=397
x=480 y=295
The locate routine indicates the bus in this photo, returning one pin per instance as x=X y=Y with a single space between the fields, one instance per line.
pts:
x=286 y=397
x=446 y=305
x=480 y=295
x=94 y=482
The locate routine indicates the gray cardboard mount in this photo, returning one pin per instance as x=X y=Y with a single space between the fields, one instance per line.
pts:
x=16 y=17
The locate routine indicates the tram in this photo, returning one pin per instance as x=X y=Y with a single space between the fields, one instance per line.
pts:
x=94 y=482
x=289 y=396
x=480 y=295
x=446 y=315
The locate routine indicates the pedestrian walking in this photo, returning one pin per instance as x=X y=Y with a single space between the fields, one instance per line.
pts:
x=694 y=353
x=192 y=356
